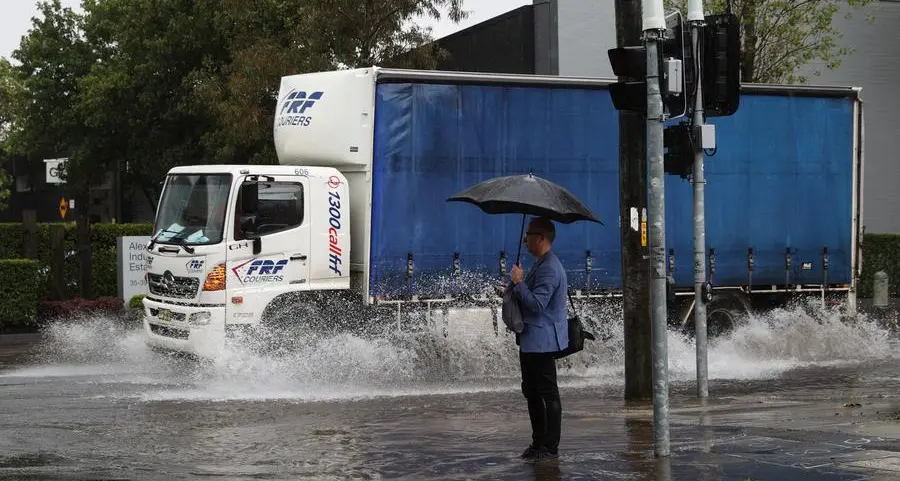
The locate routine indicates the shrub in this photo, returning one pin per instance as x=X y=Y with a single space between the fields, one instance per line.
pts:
x=136 y=306
x=18 y=294
x=103 y=253
x=104 y=250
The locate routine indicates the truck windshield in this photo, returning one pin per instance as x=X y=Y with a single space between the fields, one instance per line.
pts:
x=192 y=209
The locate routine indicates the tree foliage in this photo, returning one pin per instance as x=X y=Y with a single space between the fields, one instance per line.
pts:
x=4 y=189
x=140 y=86
x=778 y=37
x=52 y=58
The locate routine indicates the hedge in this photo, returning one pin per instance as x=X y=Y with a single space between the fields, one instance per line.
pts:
x=18 y=294
x=103 y=247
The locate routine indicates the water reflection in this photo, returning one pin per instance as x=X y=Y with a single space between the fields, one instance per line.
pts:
x=640 y=454
x=663 y=469
x=547 y=471
x=639 y=449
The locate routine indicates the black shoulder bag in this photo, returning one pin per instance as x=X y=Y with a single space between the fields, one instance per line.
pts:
x=577 y=334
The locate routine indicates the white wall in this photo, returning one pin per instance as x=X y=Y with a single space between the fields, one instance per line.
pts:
x=587 y=29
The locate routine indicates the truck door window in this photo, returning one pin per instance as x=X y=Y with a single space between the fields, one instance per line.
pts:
x=280 y=207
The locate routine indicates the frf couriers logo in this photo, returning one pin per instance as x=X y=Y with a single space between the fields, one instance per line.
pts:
x=294 y=107
x=260 y=270
x=335 y=253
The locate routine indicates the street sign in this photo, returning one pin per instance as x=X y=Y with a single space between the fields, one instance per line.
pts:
x=132 y=262
x=63 y=207
x=55 y=169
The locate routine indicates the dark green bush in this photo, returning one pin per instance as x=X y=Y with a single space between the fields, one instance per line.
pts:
x=136 y=305
x=103 y=253
x=18 y=294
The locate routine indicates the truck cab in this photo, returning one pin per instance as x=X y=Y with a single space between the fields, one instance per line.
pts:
x=228 y=240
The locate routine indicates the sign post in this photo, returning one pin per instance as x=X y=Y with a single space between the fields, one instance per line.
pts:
x=654 y=30
x=131 y=266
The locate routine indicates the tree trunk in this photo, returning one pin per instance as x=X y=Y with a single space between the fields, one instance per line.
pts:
x=748 y=42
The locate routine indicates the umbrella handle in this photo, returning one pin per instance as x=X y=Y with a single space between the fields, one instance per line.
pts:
x=521 y=235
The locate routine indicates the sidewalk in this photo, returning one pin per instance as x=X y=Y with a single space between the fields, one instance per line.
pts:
x=737 y=440
x=762 y=441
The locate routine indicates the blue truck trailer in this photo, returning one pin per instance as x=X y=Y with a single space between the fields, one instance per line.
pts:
x=783 y=193
x=358 y=211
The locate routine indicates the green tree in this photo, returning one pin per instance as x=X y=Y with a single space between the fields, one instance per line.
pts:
x=10 y=86
x=151 y=84
x=52 y=58
x=780 y=36
x=375 y=32
x=139 y=101
x=4 y=189
x=273 y=39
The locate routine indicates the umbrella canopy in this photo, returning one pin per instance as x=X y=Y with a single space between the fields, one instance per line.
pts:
x=526 y=194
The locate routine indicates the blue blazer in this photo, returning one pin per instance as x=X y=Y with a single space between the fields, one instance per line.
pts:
x=543 y=294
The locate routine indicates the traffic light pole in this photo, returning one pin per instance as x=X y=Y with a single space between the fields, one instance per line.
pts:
x=654 y=30
x=696 y=19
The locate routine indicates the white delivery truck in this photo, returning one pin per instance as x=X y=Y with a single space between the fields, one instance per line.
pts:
x=355 y=216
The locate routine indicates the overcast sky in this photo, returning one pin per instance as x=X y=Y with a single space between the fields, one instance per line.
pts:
x=16 y=18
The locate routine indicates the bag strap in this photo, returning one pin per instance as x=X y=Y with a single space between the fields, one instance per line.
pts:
x=572 y=304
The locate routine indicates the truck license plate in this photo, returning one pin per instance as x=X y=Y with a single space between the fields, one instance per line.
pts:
x=164 y=315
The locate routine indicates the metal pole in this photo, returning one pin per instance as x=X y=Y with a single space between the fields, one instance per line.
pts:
x=696 y=18
x=654 y=29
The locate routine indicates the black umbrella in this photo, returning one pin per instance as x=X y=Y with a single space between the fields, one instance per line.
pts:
x=526 y=194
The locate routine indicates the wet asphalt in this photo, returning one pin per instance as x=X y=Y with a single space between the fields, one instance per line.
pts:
x=90 y=401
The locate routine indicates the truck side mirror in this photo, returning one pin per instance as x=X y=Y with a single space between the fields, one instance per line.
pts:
x=249 y=197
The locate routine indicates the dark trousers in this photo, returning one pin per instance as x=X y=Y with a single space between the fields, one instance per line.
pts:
x=544 y=407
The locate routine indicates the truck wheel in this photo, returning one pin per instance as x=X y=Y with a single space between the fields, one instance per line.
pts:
x=292 y=321
x=723 y=315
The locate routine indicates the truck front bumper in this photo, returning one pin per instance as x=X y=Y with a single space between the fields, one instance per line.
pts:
x=197 y=330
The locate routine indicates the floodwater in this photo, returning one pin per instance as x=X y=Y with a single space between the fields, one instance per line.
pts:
x=90 y=401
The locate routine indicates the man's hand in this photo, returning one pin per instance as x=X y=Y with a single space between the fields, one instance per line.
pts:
x=516 y=275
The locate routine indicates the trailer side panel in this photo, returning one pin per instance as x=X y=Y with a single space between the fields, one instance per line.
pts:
x=781 y=178
x=433 y=140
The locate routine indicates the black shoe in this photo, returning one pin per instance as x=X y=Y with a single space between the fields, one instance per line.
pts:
x=543 y=454
x=529 y=452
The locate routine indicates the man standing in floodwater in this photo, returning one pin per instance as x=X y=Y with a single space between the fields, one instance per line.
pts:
x=542 y=295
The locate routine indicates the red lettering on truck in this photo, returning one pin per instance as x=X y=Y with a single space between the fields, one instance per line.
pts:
x=335 y=259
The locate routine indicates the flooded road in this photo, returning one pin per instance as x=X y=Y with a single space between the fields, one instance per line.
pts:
x=90 y=401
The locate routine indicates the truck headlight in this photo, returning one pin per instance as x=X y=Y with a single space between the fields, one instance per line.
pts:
x=215 y=280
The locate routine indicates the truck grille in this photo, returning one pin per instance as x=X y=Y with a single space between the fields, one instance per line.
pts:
x=181 y=287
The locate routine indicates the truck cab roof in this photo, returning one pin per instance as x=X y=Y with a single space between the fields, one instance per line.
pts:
x=258 y=169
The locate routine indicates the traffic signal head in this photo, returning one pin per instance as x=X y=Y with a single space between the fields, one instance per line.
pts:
x=721 y=65
x=629 y=62
x=679 y=158
x=630 y=65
